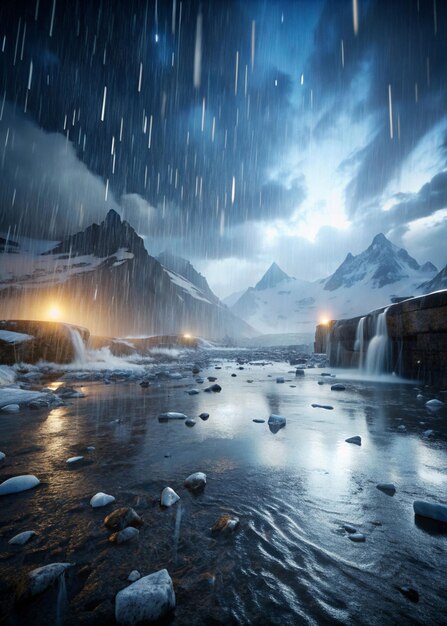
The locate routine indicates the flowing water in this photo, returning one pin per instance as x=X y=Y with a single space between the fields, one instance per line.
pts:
x=377 y=355
x=359 y=345
x=78 y=346
x=291 y=560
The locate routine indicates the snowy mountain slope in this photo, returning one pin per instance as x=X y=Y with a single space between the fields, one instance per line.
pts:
x=184 y=268
x=273 y=276
x=437 y=283
x=104 y=279
x=360 y=284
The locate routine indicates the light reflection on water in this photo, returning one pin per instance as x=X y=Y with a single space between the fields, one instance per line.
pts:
x=291 y=560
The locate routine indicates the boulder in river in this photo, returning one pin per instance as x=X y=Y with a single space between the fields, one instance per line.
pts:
x=338 y=387
x=122 y=518
x=357 y=440
x=147 y=600
x=431 y=510
x=215 y=388
x=196 y=482
x=168 y=497
x=225 y=523
x=387 y=488
x=41 y=578
x=17 y=484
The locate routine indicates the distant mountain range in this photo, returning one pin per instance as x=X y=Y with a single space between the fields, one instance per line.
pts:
x=280 y=303
x=103 y=278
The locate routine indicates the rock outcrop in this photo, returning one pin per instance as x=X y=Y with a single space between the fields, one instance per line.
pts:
x=417 y=332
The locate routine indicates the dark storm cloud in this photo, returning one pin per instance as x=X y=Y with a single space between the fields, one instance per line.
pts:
x=428 y=200
x=202 y=155
x=400 y=43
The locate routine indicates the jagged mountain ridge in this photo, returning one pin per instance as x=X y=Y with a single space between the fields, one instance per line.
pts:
x=437 y=283
x=273 y=276
x=361 y=283
x=184 y=268
x=104 y=279
x=382 y=263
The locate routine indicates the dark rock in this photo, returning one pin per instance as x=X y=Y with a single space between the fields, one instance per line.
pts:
x=204 y=416
x=216 y=388
x=338 y=387
x=122 y=518
x=409 y=593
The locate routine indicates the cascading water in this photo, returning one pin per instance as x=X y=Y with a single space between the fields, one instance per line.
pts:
x=378 y=353
x=61 y=601
x=359 y=344
x=78 y=346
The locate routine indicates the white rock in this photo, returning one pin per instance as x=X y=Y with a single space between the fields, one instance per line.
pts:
x=22 y=538
x=196 y=481
x=402 y=427
x=357 y=440
x=173 y=415
x=168 y=497
x=277 y=420
x=133 y=576
x=2 y=456
x=74 y=459
x=431 y=510
x=419 y=396
x=11 y=408
x=101 y=499
x=146 y=600
x=434 y=405
x=91 y=448
x=42 y=577
x=18 y=483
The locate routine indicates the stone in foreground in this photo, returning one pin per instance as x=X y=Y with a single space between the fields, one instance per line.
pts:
x=387 y=488
x=101 y=499
x=225 y=523
x=338 y=387
x=431 y=510
x=128 y=534
x=122 y=518
x=168 y=497
x=22 y=538
x=357 y=537
x=42 y=577
x=147 y=600
x=196 y=482
x=357 y=440
x=18 y=484
x=277 y=420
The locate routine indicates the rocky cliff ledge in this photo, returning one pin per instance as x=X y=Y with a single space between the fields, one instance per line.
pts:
x=417 y=331
x=30 y=341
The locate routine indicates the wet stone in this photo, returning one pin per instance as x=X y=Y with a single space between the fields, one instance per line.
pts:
x=122 y=518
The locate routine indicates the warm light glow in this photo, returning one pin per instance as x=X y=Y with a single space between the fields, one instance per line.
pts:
x=186 y=336
x=324 y=321
x=54 y=312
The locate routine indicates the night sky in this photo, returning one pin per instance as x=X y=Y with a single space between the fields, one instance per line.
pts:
x=232 y=133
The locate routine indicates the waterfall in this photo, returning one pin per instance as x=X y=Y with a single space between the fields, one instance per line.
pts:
x=378 y=353
x=360 y=340
x=178 y=521
x=78 y=346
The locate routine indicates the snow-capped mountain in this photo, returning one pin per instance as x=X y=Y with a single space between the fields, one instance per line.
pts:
x=437 y=283
x=185 y=269
x=103 y=278
x=273 y=276
x=360 y=284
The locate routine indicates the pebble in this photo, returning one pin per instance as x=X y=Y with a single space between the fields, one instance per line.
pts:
x=259 y=421
x=338 y=387
x=349 y=528
x=280 y=379
x=387 y=488
x=133 y=576
x=357 y=440
x=190 y=422
x=122 y=518
x=101 y=499
x=225 y=523
x=42 y=577
x=74 y=459
x=234 y=375
x=196 y=482
x=204 y=416
x=91 y=448
x=172 y=415
x=168 y=497
x=427 y=433
x=22 y=538
x=357 y=537
x=277 y=420
x=323 y=406
x=212 y=378
x=10 y=408
x=402 y=427
x=17 y=484
x=299 y=372
x=434 y=405
x=2 y=456
x=193 y=392
x=199 y=381
x=128 y=534
x=216 y=388
x=409 y=593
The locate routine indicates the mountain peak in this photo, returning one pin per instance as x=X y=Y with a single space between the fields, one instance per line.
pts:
x=272 y=277
x=112 y=218
x=381 y=240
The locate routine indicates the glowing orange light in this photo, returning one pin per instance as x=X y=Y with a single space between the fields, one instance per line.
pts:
x=186 y=336
x=324 y=321
x=54 y=312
